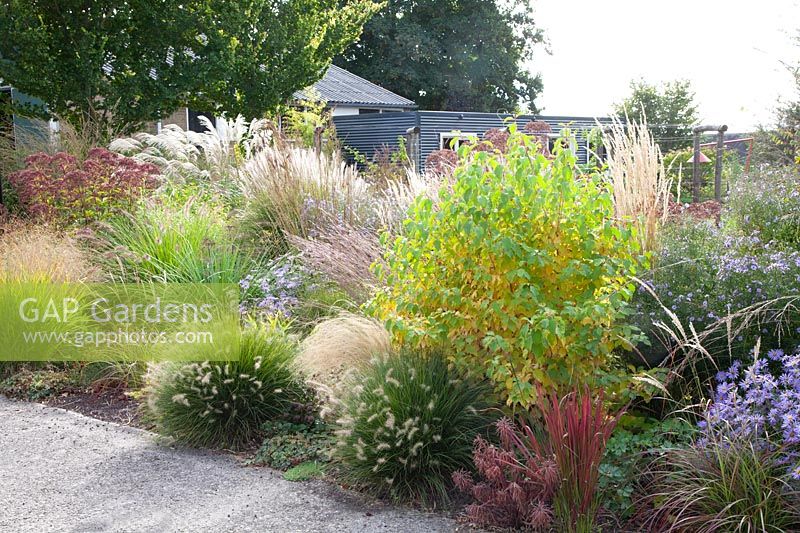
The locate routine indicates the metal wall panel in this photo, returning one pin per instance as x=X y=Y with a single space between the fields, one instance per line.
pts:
x=367 y=133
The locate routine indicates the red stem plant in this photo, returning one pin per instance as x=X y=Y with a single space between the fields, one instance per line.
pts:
x=578 y=426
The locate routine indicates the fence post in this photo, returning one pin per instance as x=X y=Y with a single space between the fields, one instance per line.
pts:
x=696 y=168
x=697 y=130
x=718 y=163
x=318 y=139
x=412 y=147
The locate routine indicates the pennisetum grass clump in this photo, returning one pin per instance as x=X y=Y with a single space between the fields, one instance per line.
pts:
x=408 y=424
x=223 y=404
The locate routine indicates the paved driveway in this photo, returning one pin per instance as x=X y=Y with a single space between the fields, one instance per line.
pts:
x=62 y=471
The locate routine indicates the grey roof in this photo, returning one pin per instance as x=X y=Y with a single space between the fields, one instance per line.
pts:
x=340 y=87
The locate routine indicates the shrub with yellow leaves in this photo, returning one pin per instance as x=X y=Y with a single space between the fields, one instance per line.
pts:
x=520 y=270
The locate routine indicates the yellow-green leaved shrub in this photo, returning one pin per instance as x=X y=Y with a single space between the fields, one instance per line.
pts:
x=519 y=268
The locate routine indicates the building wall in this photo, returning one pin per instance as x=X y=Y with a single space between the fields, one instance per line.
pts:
x=180 y=118
x=343 y=111
x=367 y=133
x=347 y=110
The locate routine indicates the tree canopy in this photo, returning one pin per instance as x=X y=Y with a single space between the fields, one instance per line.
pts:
x=669 y=108
x=137 y=60
x=780 y=143
x=456 y=55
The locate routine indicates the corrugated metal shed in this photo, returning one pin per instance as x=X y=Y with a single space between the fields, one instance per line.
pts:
x=365 y=134
x=340 y=87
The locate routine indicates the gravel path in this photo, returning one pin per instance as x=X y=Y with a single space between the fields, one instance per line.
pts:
x=62 y=471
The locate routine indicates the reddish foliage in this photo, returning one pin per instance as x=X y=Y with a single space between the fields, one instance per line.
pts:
x=519 y=480
x=541 y=131
x=709 y=209
x=578 y=427
x=63 y=188
x=537 y=127
x=494 y=140
x=441 y=162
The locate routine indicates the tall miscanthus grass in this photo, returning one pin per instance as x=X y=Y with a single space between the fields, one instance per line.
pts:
x=173 y=150
x=578 y=427
x=295 y=191
x=723 y=483
x=640 y=183
x=345 y=255
x=306 y=192
x=396 y=196
x=215 y=154
x=408 y=423
x=325 y=208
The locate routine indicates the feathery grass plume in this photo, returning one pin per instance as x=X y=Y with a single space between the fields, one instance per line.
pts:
x=31 y=253
x=173 y=150
x=296 y=191
x=641 y=186
x=223 y=404
x=230 y=142
x=396 y=196
x=214 y=154
x=722 y=484
x=578 y=427
x=409 y=424
x=344 y=255
x=342 y=343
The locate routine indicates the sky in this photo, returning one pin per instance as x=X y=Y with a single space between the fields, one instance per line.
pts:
x=732 y=51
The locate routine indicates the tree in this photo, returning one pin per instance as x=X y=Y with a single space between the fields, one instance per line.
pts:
x=455 y=55
x=780 y=144
x=139 y=60
x=669 y=109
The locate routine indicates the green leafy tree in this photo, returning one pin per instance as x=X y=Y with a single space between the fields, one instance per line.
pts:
x=134 y=61
x=454 y=55
x=669 y=109
x=781 y=143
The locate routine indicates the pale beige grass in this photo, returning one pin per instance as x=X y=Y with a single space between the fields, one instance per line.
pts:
x=31 y=253
x=641 y=186
x=340 y=345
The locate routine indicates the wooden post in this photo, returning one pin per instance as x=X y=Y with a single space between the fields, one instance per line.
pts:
x=412 y=146
x=697 y=130
x=696 y=168
x=318 y=139
x=718 y=163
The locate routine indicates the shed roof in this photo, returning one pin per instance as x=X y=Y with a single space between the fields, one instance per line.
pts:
x=340 y=87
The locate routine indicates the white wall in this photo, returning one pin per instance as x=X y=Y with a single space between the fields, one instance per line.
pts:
x=341 y=110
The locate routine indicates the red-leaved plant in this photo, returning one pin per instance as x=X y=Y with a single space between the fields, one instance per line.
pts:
x=519 y=481
x=62 y=188
x=578 y=427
